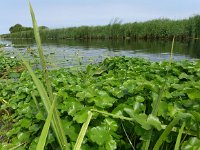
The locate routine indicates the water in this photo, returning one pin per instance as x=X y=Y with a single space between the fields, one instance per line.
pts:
x=61 y=53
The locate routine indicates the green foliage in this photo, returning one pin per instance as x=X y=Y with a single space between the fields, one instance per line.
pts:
x=23 y=32
x=45 y=130
x=9 y=67
x=83 y=132
x=2 y=45
x=153 y=29
x=178 y=141
x=131 y=86
x=46 y=96
x=19 y=28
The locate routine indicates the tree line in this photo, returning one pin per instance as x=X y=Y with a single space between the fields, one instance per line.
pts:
x=19 y=28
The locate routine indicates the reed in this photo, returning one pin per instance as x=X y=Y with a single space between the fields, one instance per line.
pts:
x=178 y=141
x=83 y=132
x=165 y=133
x=153 y=29
x=172 y=50
x=45 y=130
x=46 y=95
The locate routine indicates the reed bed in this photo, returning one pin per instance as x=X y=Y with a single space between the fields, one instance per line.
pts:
x=153 y=29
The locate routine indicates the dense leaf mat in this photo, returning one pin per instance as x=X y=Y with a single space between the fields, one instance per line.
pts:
x=120 y=91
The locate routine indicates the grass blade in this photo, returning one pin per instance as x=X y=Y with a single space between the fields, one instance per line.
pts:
x=172 y=49
x=154 y=113
x=129 y=140
x=38 y=83
x=45 y=130
x=166 y=132
x=57 y=125
x=35 y=100
x=178 y=140
x=83 y=132
x=42 y=58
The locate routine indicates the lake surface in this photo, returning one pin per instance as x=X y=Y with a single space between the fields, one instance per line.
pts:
x=75 y=52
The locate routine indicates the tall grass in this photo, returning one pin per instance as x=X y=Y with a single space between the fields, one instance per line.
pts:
x=172 y=50
x=153 y=29
x=164 y=135
x=83 y=132
x=45 y=130
x=49 y=100
x=46 y=95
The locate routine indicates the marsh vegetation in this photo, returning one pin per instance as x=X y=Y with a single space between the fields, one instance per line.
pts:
x=119 y=103
x=153 y=29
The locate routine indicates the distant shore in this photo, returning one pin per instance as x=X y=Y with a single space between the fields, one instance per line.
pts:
x=153 y=29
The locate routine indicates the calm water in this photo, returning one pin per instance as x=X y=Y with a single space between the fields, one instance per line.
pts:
x=71 y=52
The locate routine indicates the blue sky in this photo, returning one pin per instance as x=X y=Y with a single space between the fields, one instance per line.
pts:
x=66 y=13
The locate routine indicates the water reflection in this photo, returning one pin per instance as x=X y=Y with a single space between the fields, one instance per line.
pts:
x=153 y=50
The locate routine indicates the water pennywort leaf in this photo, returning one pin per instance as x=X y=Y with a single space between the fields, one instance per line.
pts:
x=111 y=124
x=154 y=121
x=99 y=135
x=192 y=144
x=194 y=94
x=111 y=145
x=23 y=136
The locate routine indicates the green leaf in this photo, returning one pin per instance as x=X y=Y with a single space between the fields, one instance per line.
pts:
x=130 y=85
x=154 y=121
x=56 y=123
x=70 y=129
x=25 y=123
x=103 y=100
x=135 y=109
x=178 y=140
x=13 y=131
x=81 y=116
x=116 y=91
x=183 y=76
x=45 y=130
x=84 y=94
x=162 y=109
x=14 y=75
x=142 y=120
x=167 y=130
x=72 y=107
x=26 y=110
x=40 y=116
x=140 y=132
x=139 y=98
x=192 y=144
x=111 y=145
x=110 y=124
x=194 y=94
x=83 y=132
x=23 y=136
x=99 y=135
x=139 y=118
x=196 y=115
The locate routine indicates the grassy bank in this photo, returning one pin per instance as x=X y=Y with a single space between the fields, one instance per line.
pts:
x=154 y=29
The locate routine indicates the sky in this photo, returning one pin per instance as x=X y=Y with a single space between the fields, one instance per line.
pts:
x=68 y=13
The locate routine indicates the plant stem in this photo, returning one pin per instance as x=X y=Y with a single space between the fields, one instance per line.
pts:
x=166 y=132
